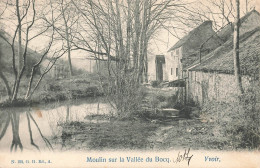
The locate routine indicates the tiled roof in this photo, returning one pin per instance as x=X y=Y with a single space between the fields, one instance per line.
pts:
x=226 y=32
x=186 y=38
x=248 y=14
x=221 y=59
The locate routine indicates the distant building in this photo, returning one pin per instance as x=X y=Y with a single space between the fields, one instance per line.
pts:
x=186 y=50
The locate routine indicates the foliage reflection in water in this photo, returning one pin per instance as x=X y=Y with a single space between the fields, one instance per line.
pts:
x=33 y=128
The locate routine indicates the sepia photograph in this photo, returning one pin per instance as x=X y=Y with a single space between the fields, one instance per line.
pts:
x=129 y=83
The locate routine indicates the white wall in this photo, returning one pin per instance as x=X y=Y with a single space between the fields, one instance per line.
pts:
x=151 y=68
x=172 y=62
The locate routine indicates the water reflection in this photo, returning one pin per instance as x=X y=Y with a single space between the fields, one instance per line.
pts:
x=13 y=118
x=35 y=128
x=48 y=144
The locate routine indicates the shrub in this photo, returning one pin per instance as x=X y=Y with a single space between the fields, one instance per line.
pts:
x=238 y=121
x=125 y=96
x=161 y=98
x=250 y=131
x=92 y=91
x=155 y=83
x=54 y=87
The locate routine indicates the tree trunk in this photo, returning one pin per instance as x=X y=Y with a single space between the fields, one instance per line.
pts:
x=236 y=50
x=16 y=88
x=146 y=66
x=136 y=43
x=67 y=39
x=20 y=56
x=30 y=83
x=69 y=52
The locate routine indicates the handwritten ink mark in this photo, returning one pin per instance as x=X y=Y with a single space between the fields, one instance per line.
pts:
x=182 y=157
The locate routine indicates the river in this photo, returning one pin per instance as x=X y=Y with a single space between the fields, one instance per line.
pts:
x=34 y=128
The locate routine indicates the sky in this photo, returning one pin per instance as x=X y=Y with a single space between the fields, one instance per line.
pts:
x=165 y=40
x=158 y=45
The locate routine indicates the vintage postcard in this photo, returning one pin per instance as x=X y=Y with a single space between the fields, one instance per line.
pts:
x=129 y=83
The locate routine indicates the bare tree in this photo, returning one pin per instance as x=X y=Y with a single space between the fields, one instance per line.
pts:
x=19 y=69
x=221 y=12
x=27 y=30
x=118 y=33
x=20 y=54
x=66 y=25
x=64 y=10
x=236 y=49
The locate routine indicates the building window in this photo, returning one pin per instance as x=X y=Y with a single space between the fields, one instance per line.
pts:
x=177 y=52
x=176 y=71
x=171 y=71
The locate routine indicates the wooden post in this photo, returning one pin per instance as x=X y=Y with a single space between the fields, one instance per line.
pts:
x=185 y=92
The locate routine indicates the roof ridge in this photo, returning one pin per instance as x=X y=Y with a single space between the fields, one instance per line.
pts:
x=245 y=36
x=183 y=40
x=242 y=19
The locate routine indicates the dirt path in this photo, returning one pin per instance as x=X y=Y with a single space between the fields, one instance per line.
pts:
x=186 y=133
x=118 y=135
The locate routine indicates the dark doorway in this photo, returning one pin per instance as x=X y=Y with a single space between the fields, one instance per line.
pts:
x=159 y=61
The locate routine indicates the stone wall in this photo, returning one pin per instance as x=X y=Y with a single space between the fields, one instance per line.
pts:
x=202 y=87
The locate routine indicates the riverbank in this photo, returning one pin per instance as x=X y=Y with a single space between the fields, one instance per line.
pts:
x=140 y=134
x=106 y=135
x=51 y=90
x=80 y=124
x=149 y=130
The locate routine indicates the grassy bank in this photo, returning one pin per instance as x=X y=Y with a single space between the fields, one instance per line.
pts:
x=50 y=90
x=214 y=126
x=113 y=134
x=106 y=135
x=148 y=130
